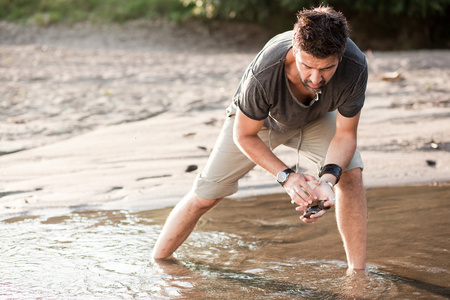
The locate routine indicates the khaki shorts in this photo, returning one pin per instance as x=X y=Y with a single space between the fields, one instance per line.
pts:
x=227 y=164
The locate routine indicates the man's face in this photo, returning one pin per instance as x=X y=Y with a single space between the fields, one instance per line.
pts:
x=314 y=72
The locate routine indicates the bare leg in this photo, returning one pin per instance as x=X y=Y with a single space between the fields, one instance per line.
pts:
x=351 y=215
x=180 y=223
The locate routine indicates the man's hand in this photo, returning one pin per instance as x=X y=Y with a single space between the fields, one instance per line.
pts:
x=323 y=192
x=299 y=190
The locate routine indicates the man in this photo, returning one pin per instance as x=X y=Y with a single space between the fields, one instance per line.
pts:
x=305 y=89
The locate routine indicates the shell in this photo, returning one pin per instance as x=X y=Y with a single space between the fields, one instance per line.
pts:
x=314 y=208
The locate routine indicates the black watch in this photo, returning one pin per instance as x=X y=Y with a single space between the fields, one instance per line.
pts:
x=332 y=169
x=283 y=176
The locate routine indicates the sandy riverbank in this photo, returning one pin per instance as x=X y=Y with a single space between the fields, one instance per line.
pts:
x=113 y=117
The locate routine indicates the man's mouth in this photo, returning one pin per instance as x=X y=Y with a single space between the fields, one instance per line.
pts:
x=315 y=86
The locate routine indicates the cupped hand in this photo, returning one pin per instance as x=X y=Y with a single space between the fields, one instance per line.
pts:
x=299 y=189
x=323 y=192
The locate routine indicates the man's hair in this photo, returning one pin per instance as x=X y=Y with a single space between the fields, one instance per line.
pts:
x=321 y=32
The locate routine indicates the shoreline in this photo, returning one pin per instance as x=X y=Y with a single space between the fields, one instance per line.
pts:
x=123 y=167
x=50 y=212
x=117 y=121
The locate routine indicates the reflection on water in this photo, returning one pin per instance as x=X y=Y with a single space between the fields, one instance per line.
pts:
x=88 y=253
x=248 y=249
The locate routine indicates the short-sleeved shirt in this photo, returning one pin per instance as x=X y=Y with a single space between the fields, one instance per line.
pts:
x=264 y=92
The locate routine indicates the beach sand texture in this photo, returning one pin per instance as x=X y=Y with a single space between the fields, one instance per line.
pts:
x=125 y=116
x=103 y=129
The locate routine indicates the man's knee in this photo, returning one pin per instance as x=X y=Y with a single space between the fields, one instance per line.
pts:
x=200 y=203
x=350 y=189
x=351 y=179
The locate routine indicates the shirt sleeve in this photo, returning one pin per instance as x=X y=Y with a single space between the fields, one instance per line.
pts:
x=252 y=99
x=356 y=96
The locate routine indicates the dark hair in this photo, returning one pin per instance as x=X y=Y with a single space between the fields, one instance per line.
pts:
x=321 y=32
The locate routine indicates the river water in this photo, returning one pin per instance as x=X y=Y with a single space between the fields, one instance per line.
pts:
x=254 y=248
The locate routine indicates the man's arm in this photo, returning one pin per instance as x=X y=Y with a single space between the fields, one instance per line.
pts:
x=343 y=145
x=246 y=137
x=340 y=152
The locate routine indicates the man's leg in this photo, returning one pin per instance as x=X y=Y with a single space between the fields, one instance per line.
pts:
x=351 y=206
x=351 y=215
x=180 y=223
x=225 y=166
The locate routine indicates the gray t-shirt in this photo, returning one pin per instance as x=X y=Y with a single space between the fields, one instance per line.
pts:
x=264 y=92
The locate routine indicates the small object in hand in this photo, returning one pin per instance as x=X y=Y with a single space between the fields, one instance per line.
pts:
x=314 y=208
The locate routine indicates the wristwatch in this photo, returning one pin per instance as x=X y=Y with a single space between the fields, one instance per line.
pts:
x=283 y=176
x=332 y=169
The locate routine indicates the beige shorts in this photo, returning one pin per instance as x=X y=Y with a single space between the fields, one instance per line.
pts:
x=227 y=164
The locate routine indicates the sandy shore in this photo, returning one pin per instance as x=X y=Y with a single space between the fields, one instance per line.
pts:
x=126 y=116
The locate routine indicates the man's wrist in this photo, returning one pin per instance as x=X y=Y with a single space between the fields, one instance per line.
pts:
x=329 y=183
x=283 y=176
x=332 y=169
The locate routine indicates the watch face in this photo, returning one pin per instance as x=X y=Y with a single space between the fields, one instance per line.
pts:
x=282 y=177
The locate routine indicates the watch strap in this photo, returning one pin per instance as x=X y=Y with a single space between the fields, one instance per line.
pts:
x=331 y=169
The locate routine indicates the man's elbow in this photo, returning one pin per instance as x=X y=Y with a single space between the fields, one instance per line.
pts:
x=243 y=141
x=237 y=139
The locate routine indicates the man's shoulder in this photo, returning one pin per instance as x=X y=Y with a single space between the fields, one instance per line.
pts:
x=352 y=71
x=273 y=52
x=354 y=55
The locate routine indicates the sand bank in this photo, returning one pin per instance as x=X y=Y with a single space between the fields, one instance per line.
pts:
x=116 y=117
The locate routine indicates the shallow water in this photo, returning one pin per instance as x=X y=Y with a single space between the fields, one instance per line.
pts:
x=252 y=248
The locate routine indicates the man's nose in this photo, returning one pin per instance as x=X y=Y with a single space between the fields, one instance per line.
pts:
x=316 y=77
